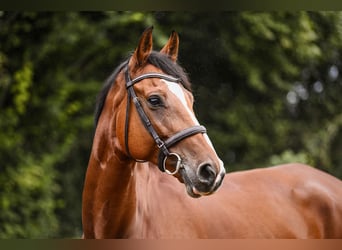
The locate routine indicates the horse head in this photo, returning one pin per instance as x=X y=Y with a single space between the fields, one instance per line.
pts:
x=156 y=121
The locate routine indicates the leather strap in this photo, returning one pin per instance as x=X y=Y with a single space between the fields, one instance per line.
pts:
x=163 y=146
x=130 y=83
x=176 y=138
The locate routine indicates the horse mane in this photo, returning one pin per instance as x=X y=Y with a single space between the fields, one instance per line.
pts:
x=158 y=60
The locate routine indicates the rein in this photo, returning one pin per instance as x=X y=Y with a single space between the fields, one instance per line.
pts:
x=163 y=146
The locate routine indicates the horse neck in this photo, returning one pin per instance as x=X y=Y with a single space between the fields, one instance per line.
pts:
x=109 y=197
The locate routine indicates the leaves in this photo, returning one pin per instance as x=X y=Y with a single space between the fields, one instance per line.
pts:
x=267 y=87
x=21 y=87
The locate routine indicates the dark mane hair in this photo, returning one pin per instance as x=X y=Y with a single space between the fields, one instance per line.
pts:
x=158 y=60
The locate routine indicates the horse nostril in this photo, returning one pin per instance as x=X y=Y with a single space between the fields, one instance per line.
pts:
x=206 y=173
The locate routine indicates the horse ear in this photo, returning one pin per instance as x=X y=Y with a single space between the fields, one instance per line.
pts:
x=171 y=47
x=143 y=50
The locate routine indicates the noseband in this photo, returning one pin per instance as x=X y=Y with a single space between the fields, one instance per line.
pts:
x=163 y=146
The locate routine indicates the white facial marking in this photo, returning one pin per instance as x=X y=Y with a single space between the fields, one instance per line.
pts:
x=177 y=90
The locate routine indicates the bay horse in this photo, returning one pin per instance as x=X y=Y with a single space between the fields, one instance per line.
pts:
x=148 y=142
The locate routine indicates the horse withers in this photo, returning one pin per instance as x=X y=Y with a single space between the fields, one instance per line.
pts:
x=148 y=145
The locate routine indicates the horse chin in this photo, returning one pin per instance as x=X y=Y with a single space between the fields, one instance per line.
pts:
x=192 y=191
x=190 y=188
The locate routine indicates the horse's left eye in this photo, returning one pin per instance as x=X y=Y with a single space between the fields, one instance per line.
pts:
x=155 y=101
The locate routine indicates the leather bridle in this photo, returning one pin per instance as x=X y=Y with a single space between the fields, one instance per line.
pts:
x=163 y=146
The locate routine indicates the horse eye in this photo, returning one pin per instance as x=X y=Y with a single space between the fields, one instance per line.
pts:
x=155 y=101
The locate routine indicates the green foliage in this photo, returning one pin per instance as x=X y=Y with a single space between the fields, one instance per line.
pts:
x=250 y=66
x=20 y=89
x=267 y=87
x=27 y=204
x=289 y=156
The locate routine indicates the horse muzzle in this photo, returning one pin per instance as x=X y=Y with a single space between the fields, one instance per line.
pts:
x=204 y=181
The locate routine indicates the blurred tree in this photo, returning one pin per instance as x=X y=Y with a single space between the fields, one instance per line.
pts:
x=51 y=67
x=27 y=180
x=266 y=83
x=267 y=87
